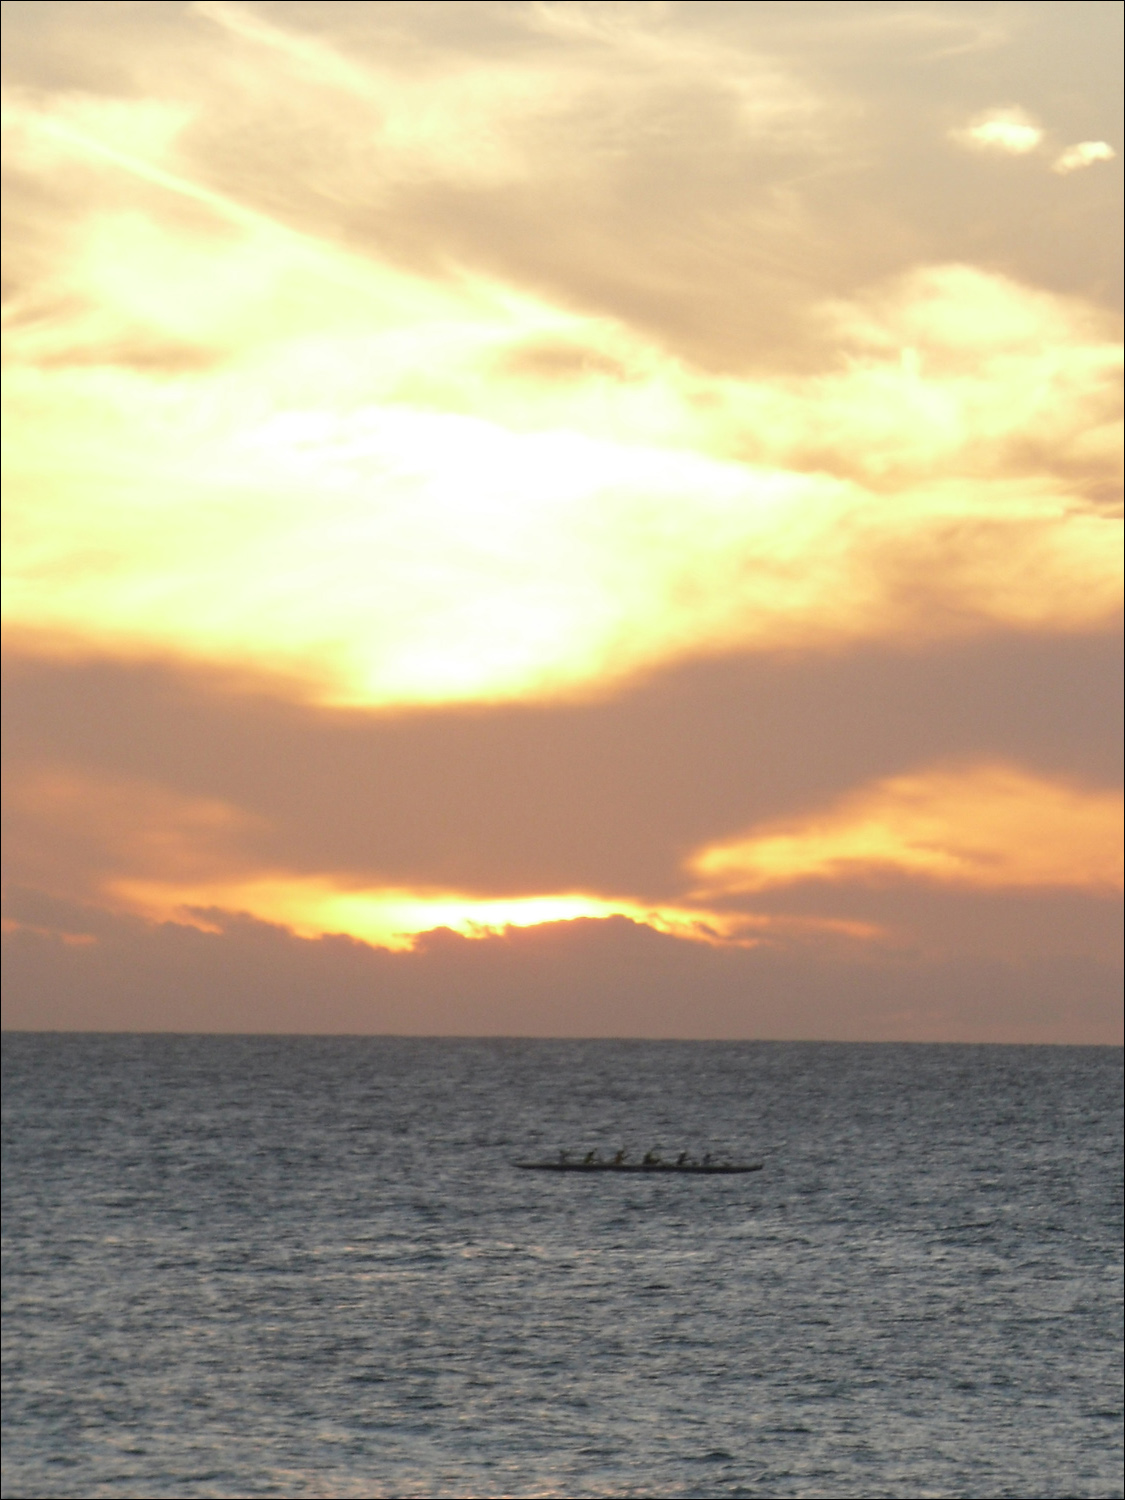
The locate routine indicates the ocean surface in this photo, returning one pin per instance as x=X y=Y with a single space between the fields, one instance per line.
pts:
x=240 y=1266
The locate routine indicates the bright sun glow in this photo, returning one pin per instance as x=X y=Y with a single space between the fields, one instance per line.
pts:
x=394 y=919
x=249 y=447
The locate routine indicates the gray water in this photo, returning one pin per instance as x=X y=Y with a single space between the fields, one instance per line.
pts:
x=241 y=1266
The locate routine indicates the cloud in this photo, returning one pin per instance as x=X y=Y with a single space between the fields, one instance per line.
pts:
x=1008 y=132
x=584 y=978
x=141 y=848
x=1013 y=132
x=518 y=73
x=78 y=833
x=1084 y=154
x=981 y=826
x=146 y=789
x=330 y=506
x=397 y=919
x=465 y=460
x=698 y=171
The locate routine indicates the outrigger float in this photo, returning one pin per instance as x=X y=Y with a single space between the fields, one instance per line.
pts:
x=650 y=1162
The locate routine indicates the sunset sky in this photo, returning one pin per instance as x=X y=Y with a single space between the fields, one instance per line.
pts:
x=564 y=518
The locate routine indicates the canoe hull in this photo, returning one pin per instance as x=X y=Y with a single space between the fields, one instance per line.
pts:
x=689 y=1169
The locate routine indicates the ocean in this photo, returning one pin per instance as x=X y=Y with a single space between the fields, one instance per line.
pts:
x=305 y=1266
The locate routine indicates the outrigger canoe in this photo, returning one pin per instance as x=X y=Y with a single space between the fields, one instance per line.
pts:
x=694 y=1168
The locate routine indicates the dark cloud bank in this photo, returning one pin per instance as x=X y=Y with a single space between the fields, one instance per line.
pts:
x=584 y=978
x=606 y=796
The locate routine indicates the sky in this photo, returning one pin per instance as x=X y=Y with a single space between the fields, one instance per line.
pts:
x=578 y=519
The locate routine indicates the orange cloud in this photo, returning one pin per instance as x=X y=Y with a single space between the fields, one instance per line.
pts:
x=73 y=833
x=396 y=919
x=133 y=847
x=983 y=827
